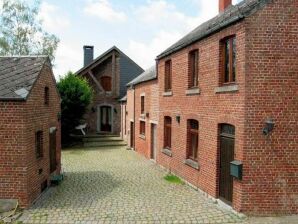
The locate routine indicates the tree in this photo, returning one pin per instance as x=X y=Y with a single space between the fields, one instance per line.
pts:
x=76 y=95
x=21 y=31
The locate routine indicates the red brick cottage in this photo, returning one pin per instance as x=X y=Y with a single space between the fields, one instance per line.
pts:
x=108 y=75
x=142 y=113
x=30 y=147
x=227 y=92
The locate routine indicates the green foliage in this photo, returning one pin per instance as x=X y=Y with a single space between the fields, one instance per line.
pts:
x=173 y=179
x=21 y=31
x=76 y=95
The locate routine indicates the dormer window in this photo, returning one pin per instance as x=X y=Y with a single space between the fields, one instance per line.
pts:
x=46 y=95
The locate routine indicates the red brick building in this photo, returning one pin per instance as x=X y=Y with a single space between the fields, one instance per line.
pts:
x=30 y=146
x=108 y=75
x=227 y=92
x=142 y=114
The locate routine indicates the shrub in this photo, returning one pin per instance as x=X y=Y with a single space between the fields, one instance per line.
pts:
x=76 y=95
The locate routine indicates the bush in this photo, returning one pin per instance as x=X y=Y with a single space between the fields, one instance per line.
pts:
x=76 y=95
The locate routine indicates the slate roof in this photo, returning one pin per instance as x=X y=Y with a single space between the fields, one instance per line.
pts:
x=114 y=48
x=147 y=75
x=232 y=14
x=123 y=99
x=18 y=75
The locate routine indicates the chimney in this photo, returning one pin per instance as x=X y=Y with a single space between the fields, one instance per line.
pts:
x=223 y=4
x=88 y=54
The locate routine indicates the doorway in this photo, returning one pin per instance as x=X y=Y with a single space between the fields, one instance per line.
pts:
x=153 y=142
x=227 y=145
x=132 y=135
x=105 y=119
x=52 y=151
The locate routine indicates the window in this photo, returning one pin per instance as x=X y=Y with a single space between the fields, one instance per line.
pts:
x=39 y=144
x=142 y=104
x=193 y=68
x=192 y=139
x=167 y=132
x=229 y=60
x=46 y=95
x=106 y=83
x=142 y=128
x=168 y=76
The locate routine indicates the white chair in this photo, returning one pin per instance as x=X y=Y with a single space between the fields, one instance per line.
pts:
x=81 y=127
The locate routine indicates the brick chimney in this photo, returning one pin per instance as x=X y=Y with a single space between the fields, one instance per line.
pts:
x=223 y=4
x=88 y=54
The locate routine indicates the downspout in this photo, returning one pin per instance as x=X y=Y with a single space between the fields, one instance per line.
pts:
x=134 y=123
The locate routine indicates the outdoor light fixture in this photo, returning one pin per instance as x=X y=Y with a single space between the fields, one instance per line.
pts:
x=178 y=118
x=269 y=125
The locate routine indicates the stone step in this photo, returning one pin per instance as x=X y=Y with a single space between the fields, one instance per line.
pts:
x=105 y=143
x=103 y=139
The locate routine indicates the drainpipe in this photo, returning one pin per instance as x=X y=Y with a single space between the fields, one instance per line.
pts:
x=134 y=123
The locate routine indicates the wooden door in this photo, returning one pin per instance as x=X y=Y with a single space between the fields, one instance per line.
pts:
x=153 y=141
x=52 y=150
x=227 y=144
x=105 y=119
x=132 y=133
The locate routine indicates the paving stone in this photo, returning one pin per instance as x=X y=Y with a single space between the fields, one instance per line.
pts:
x=113 y=185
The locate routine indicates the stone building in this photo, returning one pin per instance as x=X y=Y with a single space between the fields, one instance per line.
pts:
x=30 y=143
x=228 y=108
x=108 y=75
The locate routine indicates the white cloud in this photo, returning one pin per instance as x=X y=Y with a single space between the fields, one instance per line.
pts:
x=105 y=11
x=67 y=58
x=53 y=18
x=145 y=53
x=171 y=25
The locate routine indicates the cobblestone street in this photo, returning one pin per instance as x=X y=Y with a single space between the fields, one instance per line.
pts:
x=113 y=185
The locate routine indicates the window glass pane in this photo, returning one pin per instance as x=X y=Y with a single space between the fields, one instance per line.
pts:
x=194 y=145
x=168 y=78
x=227 y=129
x=234 y=59
x=227 y=61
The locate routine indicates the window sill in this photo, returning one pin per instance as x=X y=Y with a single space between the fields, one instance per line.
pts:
x=192 y=163
x=170 y=93
x=192 y=91
x=142 y=137
x=226 y=89
x=167 y=152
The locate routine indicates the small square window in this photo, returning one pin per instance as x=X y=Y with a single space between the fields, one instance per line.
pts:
x=142 y=128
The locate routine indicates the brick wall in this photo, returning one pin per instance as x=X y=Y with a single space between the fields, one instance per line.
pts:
x=270 y=184
x=209 y=108
x=149 y=91
x=13 y=166
x=19 y=168
x=130 y=105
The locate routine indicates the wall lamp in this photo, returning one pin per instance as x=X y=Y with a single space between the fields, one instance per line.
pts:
x=269 y=125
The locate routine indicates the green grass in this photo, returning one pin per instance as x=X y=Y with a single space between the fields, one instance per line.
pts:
x=173 y=179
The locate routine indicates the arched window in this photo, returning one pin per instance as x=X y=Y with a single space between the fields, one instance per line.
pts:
x=192 y=139
x=106 y=83
x=167 y=132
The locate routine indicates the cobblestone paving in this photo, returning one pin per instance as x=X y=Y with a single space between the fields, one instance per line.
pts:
x=114 y=185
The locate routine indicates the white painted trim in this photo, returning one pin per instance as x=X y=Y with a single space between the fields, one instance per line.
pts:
x=141 y=119
x=131 y=120
x=142 y=94
x=52 y=129
x=153 y=122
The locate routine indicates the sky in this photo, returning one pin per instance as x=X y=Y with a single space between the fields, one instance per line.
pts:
x=142 y=29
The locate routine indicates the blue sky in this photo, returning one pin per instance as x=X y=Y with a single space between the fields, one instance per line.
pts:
x=140 y=28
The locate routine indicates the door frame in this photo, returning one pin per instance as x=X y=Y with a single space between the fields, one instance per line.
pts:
x=52 y=131
x=153 y=141
x=220 y=135
x=132 y=135
x=99 y=116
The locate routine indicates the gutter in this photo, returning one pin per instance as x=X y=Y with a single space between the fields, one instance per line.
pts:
x=12 y=99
